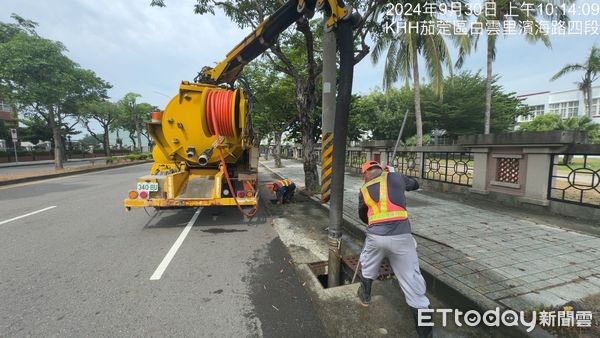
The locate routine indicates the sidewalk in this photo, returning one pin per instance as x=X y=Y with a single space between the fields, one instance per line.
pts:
x=491 y=257
x=302 y=229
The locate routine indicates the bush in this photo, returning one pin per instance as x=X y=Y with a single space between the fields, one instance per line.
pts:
x=111 y=159
x=138 y=156
x=412 y=141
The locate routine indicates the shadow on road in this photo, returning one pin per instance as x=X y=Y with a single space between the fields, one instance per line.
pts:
x=209 y=217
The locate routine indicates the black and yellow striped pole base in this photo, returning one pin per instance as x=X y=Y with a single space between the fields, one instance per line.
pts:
x=326 y=166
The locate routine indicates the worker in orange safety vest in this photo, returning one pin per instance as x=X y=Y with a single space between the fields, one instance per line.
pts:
x=382 y=205
x=284 y=190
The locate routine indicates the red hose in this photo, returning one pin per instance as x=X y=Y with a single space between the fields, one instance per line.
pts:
x=219 y=116
x=219 y=112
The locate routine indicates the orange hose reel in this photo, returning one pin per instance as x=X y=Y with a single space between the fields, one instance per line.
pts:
x=219 y=117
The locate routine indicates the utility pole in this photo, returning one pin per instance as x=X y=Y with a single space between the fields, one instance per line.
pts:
x=336 y=209
x=329 y=89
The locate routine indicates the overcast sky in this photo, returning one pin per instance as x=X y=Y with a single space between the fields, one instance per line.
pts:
x=149 y=50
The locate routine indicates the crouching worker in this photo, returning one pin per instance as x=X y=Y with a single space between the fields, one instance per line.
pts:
x=284 y=190
x=382 y=205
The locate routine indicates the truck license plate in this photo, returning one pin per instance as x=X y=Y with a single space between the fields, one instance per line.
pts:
x=153 y=186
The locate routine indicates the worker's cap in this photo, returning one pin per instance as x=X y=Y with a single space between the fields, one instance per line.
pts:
x=368 y=165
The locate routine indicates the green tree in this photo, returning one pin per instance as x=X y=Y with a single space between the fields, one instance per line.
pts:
x=549 y=122
x=130 y=121
x=382 y=112
x=295 y=54
x=20 y=26
x=524 y=15
x=274 y=109
x=106 y=114
x=404 y=48
x=591 y=73
x=39 y=79
x=144 y=109
x=89 y=140
x=459 y=111
x=134 y=117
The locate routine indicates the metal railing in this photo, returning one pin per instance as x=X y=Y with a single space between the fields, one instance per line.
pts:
x=575 y=178
x=449 y=167
x=406 y=162
x=5 y=107
x=355 y=158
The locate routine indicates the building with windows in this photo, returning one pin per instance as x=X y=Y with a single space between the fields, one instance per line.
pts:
x=7 y=114
x=565 y=103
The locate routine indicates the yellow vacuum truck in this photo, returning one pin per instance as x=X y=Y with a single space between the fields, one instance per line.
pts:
x=204 y=150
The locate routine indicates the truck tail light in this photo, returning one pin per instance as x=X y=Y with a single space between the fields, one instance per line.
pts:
x=143 y=194
x=241 y=194
x=133 y=194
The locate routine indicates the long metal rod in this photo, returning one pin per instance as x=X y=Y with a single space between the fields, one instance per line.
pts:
x=400 y=135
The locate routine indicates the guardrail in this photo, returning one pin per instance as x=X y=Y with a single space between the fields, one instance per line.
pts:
x=406 y=162
x=575 y=178
x=355 y=158
x=449 y=167
x=443 y=166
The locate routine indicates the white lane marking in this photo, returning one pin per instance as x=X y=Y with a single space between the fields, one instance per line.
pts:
x=165 y=262
x=29 y=214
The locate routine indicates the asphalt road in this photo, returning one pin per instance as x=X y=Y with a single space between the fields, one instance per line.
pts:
x=82 y=266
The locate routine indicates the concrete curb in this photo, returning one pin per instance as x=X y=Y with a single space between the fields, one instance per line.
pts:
x=70 y=173
x=440 y=284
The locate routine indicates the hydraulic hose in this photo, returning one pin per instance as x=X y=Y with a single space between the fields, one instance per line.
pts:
x=219 y=116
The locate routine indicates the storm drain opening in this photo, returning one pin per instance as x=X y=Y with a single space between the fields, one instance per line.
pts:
x=319 y=269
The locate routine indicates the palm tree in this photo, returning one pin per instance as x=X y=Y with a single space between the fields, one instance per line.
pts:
x=524 y=15
x=591 y=72
x=402 y=58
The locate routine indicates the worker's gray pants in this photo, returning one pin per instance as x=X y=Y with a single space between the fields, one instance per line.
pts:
x=402 y=254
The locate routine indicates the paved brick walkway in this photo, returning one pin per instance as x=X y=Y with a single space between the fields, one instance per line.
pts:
x=505 y=259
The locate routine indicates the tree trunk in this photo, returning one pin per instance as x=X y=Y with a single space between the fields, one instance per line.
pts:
x=589 y=100
x=268 y=148
x=417 y=85
x=306 y=102
x=132 y=138
x=488 y=87
x=139 y=137
x=58 y=153
x=277 y=153
x=106 y=142
x=63 y=143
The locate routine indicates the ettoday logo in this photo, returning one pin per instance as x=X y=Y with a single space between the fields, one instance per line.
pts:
x=495 y=318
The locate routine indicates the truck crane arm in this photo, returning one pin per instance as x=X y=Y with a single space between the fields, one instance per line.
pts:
x=265 y=34
x=204 y=152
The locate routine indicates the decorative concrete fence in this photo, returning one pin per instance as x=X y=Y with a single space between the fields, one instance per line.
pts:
x=554 y=171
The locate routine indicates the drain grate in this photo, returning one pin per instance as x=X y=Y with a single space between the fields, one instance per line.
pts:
x=385 y=270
